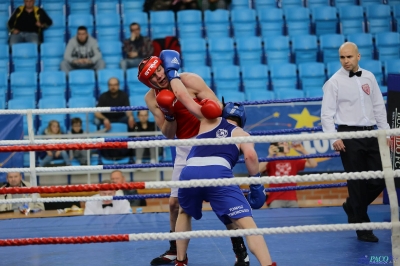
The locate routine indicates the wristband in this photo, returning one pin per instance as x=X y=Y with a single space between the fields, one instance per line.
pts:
x=256 y=175
x=169 y=118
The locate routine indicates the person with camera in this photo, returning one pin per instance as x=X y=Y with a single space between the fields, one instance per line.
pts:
x=284 y=199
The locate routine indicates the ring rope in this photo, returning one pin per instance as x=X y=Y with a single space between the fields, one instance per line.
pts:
x=151 y=196
x=193 y=234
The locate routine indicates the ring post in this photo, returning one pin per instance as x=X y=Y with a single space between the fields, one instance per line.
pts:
x=32 y=161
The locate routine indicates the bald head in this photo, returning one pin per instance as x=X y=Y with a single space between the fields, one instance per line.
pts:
x=117 y=177
x=349 y=56
x=14 y=179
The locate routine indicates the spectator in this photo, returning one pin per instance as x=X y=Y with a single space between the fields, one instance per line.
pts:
x=144 y=125
x=117 y=177
x=14 y=179
x=112 y=98
x=136 y=48
x=76 y=128
x=185 y=5
x=82 y=52
x=27 y=22
x=107 y=206
x=284 y=199
x=54 y=129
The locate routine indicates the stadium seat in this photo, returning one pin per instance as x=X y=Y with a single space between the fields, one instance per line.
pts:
x=243 y=22
x=329 y=45
x=3 y=23
x=222 y=51
x=23 y=84
x=3 y=36
x=81 y=82
x=291 y=3
x=108 y=28
x=226 y=78
x=364 y=44
x=53 y=83
x=277 y=49
x=3 y=81
x=375 y=66
x=55 y=33
x=106 y=7
x=112 y=53
x=137 y=100
x=193 y=51
x=259 y=4
x=202 y=71
x=366 y=3
x=137 y=17
x=80 y=7
x=76 y=20
x=297 y=20
x=22 y=103
x=51 y=55
x=314 y=93
x=81 y=102
x=105 y=74
x=379 y=18
x=4 y=58
x=50 y=103
x=284 y=94
x=392 y=66
x=315 y=3
x=24 y=57
x=324 y=19
x=392 y=2
x=259 y=95
x=340 y=3
x=240 y=4
x=305 y=48
x=312 y=76
x=117 y=128
x=132 y=5
x=249 y=50
x=387 y=45
x=162 y=24
x=134 y=85
x=190 y=24
x=332 y=67
x=283 y=76
x=217 y=23
x=232 y=96
x=5 y=8
x=255 y=77
x=351 y=19
x=396 y=17
x=271 y=21
x=54 y=7
x=44 y=120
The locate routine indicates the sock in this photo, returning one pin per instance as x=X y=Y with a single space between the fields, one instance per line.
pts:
x=238 y=244
x=172 y=244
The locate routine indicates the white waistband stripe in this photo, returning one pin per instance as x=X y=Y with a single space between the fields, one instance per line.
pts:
x=207 y=161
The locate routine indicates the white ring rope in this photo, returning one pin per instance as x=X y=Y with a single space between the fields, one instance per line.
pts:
x=57 y=111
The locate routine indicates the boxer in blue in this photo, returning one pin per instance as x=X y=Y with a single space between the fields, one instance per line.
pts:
x=217 y=161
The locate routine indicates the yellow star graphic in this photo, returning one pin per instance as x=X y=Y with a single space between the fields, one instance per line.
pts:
x=304 y=119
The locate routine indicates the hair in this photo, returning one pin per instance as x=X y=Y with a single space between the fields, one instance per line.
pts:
x=76 y=120
x=48 y=129
x=236 y=119
x=274 y=143
x=82 y=28
x=147 y=112
x=134 y=24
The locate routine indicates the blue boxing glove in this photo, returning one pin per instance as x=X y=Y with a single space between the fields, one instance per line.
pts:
x=171 y=61
x=256 y=196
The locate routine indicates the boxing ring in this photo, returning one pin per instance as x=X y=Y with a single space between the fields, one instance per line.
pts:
x=295 y=236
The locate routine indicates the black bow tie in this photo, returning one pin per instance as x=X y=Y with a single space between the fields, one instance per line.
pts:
x=358 y=73
x=107 y=205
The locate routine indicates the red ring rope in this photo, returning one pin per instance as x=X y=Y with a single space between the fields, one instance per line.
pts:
x=63 y=147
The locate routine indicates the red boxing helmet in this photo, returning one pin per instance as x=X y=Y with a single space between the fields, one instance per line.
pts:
x=150 y=65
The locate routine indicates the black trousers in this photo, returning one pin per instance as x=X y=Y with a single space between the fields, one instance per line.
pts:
x=361 y=155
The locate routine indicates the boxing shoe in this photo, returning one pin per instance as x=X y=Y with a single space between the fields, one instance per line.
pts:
x=351 y=219
x=366 y=236
x=167 y=257
x=242 y=258
x=181 y=263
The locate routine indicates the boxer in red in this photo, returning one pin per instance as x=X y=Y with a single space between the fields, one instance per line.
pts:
x=175 y=120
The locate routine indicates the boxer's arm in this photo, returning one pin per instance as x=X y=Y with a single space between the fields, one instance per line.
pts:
x=199 y=87
x=167 y=128
x=182 y=94
x=250 y=154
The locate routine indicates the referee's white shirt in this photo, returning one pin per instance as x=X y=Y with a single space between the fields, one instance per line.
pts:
x=96 y=207
x=346 y=103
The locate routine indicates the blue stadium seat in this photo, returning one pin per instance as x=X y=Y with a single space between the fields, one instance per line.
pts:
x=277 y=49
x=112 y=53
x=53 y=83
x=366 y=3
x=51 y=55
x=106 y=7
x=3 y=36
x=340 y=3
x=117 y=128
x=315 y=3
x=364 y=43
x=259 y=4
x=162 y=24
x=81 y=82
x=271 y=21
x=283 y=76
x=392 y=3
x=375 y=66
x=108 y=28
x=387 y=45
x=314 y=93
x=51 y=103
x=76 y=20
x=137 y=100
x=324 y=19
x=312 y=76
x=54 y=7
x=25 y=57
x=243 y=22
x=329 y=45
x=81 y=102
x=351 y=19
x=297 y=20
x=284 y=94
x=190 y=24
x=193 y=51
x=259 y=95
x=226 y=78
x=80 y=7
x=305 y=48
x=22 y=103
x=392 y=66
x=3 y=23
x=332 y=67
x=221 y=50
x=134 y=85
x=138 y=17
x=4 y=58
x=231 y=96
x=5 y=9
x=55 y=33
x=3 y=81
x=378 y=18
x=202 y=71
x=291 y=3
x=132 y=5
x=217 y=23
x=23 y=84
x=396 y=17
x=255 y=77
x=240 y=4
x=45 y=119
x=249 y=50
x=105 y=74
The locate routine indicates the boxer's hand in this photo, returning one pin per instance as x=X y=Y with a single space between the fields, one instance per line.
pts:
x=256 y=196
x=339 y=146
x=210 y=109
x=165 y=100
x=171 y=61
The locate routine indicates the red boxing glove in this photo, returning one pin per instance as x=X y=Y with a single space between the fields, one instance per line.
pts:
x=165 y=100
x=210 y=109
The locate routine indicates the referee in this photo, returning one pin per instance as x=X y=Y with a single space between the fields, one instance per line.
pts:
x=352 y=100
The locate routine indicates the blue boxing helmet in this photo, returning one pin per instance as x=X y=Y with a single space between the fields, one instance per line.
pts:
x=232 y=109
